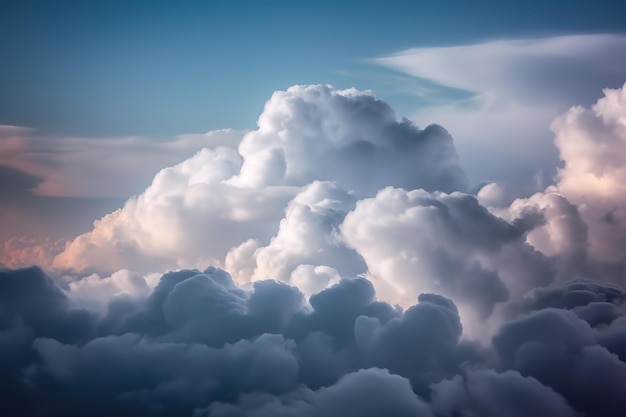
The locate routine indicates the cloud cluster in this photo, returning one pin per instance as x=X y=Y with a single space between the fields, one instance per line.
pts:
x=498 y=97
x=200 y=345
x=274 y=205
x=386 y=271
x=300 y=201
x=94 y=167
x=584 y=210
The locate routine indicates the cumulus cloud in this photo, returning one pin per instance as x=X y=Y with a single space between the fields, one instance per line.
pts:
x=312 y=133
x=592 y=144
x=269 y=206
x=490 y=394
x=415 y=241
x=378 y=293
x=54 y=187
x=198 y=344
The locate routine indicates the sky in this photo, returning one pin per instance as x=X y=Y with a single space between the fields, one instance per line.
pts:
x=312 y=208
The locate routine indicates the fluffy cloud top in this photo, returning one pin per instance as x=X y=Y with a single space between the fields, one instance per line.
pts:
x=585 y=210
x=263 y=218
x=225 y=201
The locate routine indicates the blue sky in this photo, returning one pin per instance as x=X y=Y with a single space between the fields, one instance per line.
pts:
x=100 y=68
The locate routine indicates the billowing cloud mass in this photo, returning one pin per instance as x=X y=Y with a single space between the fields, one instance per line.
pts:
x=286 y=189
x=585 y=209
x=199 y=345
x=94 y=167
x=364 y=279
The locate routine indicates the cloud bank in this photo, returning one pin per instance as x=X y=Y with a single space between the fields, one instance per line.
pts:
x=333 y=185
x=200 y=345
x=364 y=279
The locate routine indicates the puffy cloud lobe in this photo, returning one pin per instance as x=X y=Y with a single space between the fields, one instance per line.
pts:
x=93 y=167
x=563 y=236
x=369 y=392
x=185 y=217
x=416 y=241
x=565 y=353
x=310 y=133
x=308 y=235
x=490 y=394
x=592 y=143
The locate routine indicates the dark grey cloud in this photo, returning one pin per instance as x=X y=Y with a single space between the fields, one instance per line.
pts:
x=200 y=345
x=573 y=342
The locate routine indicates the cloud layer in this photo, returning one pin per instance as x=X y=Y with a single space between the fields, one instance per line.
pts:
x=365 y=279
x=200 y=345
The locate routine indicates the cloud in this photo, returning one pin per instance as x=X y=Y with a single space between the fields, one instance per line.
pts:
x=584 y=211
x=490 y=394
x=199 y=345
x=246 y=207
x=592 y=144
x=415 y=241
x=312 y=133
x=54 y=187
x=94 y=167
x=501 y=95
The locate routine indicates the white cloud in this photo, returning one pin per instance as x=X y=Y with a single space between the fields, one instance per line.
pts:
x=514 y=88
x=592 y=144
x=416 y=241
x=309 y=133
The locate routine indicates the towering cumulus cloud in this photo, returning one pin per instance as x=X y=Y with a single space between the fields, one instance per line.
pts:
x=200 y=345
x=197 y=211
x=585 y=209
x=363 y=280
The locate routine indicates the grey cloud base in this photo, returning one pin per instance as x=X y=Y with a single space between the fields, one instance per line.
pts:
x=200 y=345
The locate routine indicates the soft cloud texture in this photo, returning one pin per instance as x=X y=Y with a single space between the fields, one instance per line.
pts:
x=231 y=206
x=592 y=143
x=584 y=210
x=444 y=268
x=98 y=167
x=417 y=242
x=197 y=344
x=226 y=208
x=498 y=97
